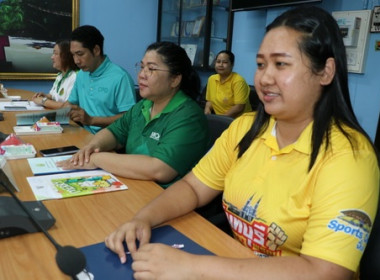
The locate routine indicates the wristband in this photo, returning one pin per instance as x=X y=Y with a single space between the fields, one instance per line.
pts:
x=44 y=101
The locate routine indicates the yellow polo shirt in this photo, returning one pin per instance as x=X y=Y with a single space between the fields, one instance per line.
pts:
x=234 y=90
x=277 y=208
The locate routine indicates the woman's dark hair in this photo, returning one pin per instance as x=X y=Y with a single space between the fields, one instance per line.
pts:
x=67 y=61
x=230 y=55
x=89 y=36
x=179 y=63
x=320 y=39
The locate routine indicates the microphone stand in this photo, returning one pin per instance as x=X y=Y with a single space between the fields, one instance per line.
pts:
x=70 y=260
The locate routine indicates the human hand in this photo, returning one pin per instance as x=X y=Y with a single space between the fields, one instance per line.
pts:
x=158 y=261
x=37 y=98
x=82 y=158
x=208 y=108
x=68 y=164
x=128 y=232
x=38 y=94
x=77 y=114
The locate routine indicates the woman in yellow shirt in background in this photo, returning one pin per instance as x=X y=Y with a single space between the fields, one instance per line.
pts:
x=227 y=92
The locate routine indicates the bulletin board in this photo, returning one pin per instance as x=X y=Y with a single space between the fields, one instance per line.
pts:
x=357 y=55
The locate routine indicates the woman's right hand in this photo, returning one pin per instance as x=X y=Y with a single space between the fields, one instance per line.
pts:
x=129 y=232
x=83 y=155
x=208 y=108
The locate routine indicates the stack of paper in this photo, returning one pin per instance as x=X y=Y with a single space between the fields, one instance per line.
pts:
x=14 y=148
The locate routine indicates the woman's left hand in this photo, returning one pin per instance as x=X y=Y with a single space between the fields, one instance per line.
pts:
x=158 y=261
x=37 y=99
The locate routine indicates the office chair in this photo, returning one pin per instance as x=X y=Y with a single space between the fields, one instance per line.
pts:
x=216 y=125
x=370 y=262
x=201 y=99
x=213 y=211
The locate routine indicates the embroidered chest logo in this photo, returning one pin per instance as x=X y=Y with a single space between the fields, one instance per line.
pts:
x=155 y=135
x=353 y=222
x=253 y=232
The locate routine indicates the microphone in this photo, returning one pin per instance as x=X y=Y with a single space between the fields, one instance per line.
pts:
x=70 y=260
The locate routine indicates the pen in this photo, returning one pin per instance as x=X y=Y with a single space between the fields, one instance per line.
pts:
x=177 y=246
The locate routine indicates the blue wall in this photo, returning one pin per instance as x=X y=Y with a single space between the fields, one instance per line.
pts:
x=364 y=88
x=129 y=26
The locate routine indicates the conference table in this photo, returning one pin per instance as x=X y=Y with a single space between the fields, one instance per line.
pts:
x=87 y=220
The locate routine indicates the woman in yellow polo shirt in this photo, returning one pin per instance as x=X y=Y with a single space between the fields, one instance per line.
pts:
x=299 y=177
x=227 y=92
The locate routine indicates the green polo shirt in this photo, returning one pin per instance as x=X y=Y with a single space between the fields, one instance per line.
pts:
x=178 y=135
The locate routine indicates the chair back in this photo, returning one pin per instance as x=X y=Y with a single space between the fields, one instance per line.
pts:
x=213 y=211
x=370 y=262
x=217 y=124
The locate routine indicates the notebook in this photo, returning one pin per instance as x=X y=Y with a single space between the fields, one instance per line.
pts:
x=104 y=264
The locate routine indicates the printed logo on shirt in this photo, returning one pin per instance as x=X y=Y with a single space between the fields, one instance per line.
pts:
x=254 y=232
x=103 y=89
x=353 y=222
x=155 y=135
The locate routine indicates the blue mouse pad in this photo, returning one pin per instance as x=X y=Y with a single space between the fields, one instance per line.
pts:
x=104 y=264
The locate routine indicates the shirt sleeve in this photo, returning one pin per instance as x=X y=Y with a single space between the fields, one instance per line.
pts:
x=125 y=93
x=210 y=88
x=185 y=139
x=120 y=127
x=241 y=91
x=343 y=208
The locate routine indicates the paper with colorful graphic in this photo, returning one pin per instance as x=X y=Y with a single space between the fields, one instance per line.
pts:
x=74 y=184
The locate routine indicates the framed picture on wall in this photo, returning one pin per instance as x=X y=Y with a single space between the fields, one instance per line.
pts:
x=191 y=50
x=28 y=32
x=175 y=29
x=187 y=28
x=197 y=27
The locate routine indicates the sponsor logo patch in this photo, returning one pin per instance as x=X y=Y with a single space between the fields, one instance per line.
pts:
x=355 y=223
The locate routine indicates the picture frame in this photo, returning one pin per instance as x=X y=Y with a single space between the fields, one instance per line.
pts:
x=28 y=32
x=191 y=50
x=175 y=29
x=197 y=29
x=187 y=28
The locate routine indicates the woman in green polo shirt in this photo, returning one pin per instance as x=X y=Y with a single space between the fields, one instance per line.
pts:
x=165 y=134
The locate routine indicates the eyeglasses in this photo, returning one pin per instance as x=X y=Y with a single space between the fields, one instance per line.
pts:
x=148 y=69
